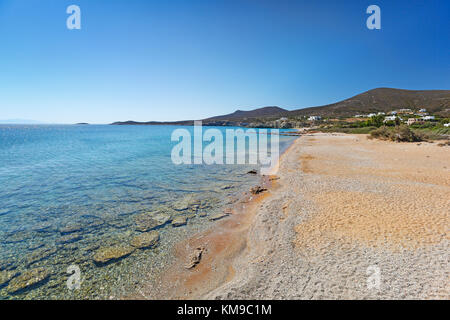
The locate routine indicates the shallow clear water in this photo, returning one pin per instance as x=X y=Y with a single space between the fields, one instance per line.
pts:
x=90 y=183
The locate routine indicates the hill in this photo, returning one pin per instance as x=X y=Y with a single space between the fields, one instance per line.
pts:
x=375 y=100
x=256 y=113
x=383 y=100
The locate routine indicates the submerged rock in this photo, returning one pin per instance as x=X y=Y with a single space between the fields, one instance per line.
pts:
x=39 y=254
x=6 y=276
x=9 y=262
x=119 y=223
x=110 y=254
x=17 y=236
x=96 y=224
x=35 y=245
x=146 y=240
x=218 y=216
x=146 y=222
x=27 y=280
x=189 y=202
x=181 y=205
x=70 y=228
x=179 y=221
x=252 y=172
x=42 y=227
x=69 y=238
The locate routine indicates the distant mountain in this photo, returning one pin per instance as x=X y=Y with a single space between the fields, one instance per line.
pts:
x=375 y=100
x=383 y=100
x=256 y=113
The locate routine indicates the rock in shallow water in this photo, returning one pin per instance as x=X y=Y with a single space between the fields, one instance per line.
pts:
x=179 y=221
x=145 y=240
x=6 y=276
x=146 y=222
x=69 y=238
x=218 y=216
x=39 y=254
x=109 y=254
x=27 y=280
x=70 y=228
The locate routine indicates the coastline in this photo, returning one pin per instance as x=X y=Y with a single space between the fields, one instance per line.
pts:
x=223 y=242
x=342 y=206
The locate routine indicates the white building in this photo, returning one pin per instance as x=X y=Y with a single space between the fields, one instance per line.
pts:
x=314 y=118
x=446 y=124
x=390 y=118
x=428 y=118
x=423 y=110
x=370 y=115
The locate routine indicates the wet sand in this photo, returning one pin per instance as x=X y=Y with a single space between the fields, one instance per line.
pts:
x=345 y=211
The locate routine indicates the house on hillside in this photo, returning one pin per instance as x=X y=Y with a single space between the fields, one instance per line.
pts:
x=412 y=121
x=389 y=118
x=428 y=118
x=314 y=118
x=447 y=125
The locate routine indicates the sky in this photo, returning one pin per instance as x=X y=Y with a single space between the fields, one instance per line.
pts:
x=171 y=60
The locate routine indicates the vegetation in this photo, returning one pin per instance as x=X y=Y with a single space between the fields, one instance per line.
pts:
x=351 y=130
x=401 y=133
x=375 y=121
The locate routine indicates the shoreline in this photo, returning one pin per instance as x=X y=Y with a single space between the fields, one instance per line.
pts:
x=343 y=204
x=222 y=242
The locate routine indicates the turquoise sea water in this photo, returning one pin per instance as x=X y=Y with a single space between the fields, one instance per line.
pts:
x=68 y=191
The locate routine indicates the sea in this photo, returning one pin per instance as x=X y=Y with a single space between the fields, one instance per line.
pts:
x=67 y=192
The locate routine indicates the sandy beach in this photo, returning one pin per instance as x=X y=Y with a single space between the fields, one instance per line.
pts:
x=341 y=210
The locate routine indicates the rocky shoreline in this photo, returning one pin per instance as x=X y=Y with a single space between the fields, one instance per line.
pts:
x=124 y=243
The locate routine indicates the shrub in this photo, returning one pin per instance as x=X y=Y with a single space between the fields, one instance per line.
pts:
x=382 y=133
x=376 y=121
x=400 y=133
x=404 y=134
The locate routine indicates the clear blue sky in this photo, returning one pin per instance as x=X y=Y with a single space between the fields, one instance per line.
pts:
x=172 y=60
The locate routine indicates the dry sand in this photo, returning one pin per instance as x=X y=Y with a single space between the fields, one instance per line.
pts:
x=344 y=207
